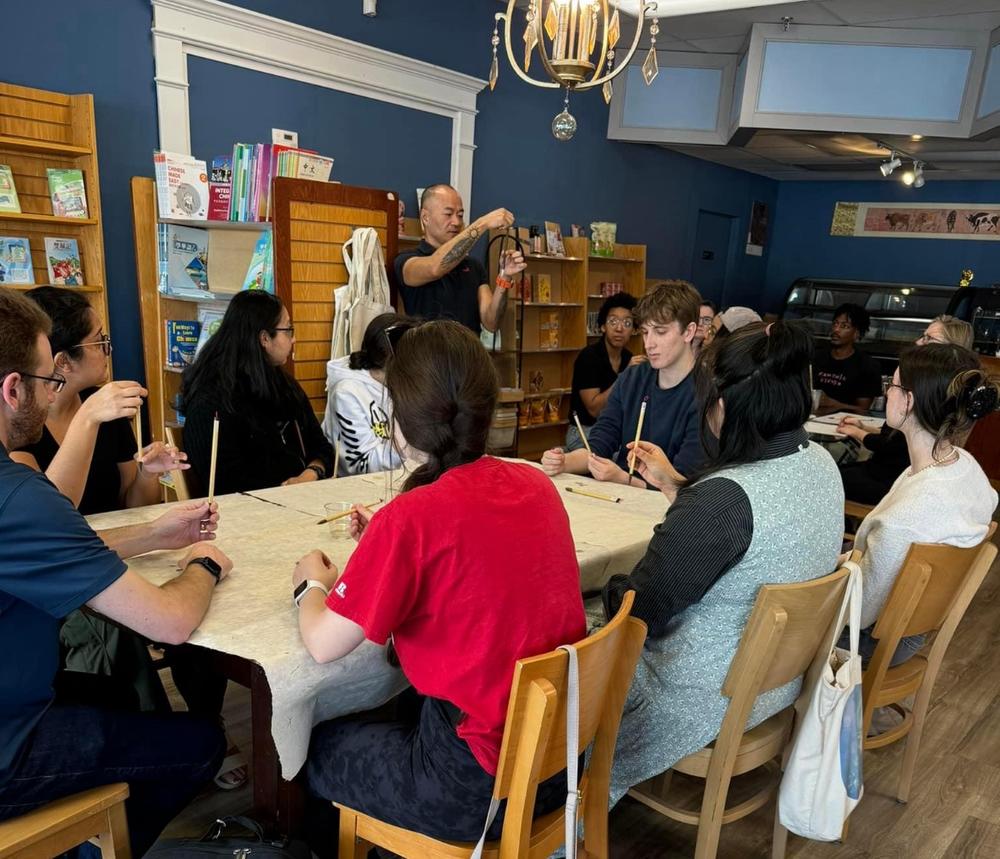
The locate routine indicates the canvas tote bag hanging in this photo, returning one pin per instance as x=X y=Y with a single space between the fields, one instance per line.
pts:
x=366 y=294
x=823 y=779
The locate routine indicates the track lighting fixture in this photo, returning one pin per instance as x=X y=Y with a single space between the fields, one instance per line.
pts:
x=914 y=177
x=886 y=167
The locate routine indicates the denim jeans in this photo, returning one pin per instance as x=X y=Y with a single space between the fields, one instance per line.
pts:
x=906 y=648
x=165 y=758
x=573 y=439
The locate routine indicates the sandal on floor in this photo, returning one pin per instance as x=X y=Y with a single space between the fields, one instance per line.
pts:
x=233 y=773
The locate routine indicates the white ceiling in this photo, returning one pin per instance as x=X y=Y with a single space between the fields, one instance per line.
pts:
x=723 y=27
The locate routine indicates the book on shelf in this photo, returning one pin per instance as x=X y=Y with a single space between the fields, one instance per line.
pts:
x=183 y=261
x=181 y=341
x=181 y=186
x=62 y=259
x=15 y=261
x=8 y=193
x=69 y=196
x=548 y=330
x=260 y=274
x=209 y=318
x=542 y=288
x=220 y=188
x=553 y=239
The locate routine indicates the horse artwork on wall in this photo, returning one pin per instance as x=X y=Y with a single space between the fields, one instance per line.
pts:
x=975 y=221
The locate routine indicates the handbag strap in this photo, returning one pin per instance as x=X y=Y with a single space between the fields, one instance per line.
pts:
x=850 y=609
x=572 y=761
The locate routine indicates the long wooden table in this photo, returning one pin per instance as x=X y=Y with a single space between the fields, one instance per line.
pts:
x=250 y=633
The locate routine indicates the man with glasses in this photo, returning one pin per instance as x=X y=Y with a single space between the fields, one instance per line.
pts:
x=52 y=563
x=703 y=334
x=849 y=378
x=598 y=366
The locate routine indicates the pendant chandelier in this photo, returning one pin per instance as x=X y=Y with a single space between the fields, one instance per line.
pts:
x=576 y=42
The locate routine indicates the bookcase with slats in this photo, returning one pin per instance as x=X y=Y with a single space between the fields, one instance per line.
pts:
x=40 y=130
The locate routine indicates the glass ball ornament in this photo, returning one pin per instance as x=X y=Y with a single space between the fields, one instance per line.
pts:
x=564 y=126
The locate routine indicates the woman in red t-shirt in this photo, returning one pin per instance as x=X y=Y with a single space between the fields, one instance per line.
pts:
x=471 y=568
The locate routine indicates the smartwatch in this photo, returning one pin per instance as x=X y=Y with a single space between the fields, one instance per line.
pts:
x=209 y=565
x=302 y=588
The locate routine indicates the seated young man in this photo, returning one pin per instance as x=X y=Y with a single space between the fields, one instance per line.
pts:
x=848 y=377
x=52 y=563
x=668 y=320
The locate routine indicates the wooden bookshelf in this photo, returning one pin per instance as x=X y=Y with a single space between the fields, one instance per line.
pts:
x=39 y=130
x=575 y=281
x=312 y=220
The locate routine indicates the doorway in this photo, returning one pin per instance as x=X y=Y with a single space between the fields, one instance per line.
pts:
x=710 y=263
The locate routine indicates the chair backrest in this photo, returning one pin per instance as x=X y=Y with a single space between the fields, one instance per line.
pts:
x=788 y=625
x=950 y=568
x=184 y=482
x=534 y=742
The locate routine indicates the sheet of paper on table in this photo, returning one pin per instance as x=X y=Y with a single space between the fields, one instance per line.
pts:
x=827 y=425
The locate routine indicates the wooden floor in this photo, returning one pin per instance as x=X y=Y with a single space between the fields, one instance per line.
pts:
x=954 y=809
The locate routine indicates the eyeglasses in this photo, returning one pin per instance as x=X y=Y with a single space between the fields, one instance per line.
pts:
x=104 y=341
x=705 y=320
x=616 y=322
x=894 y=385
x=55 y=382
x=290 y=329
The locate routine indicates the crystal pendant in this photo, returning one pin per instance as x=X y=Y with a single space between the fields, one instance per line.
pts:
x=650 y=68
x=494 y=72
x=614 y=30
x=530 y=41
x=564 y=125
x=551 y=21
x=607 y=91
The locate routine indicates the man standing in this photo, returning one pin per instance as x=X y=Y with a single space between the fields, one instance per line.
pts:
x=849 y=378
x=56 y=741
x=439 y=280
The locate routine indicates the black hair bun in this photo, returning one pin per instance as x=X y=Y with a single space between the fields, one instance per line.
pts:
x=980 y=400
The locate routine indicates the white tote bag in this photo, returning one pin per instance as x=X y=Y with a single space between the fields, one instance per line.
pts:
x=823 y=779
x=366 y=294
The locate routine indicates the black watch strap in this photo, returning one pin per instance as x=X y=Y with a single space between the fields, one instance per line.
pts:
x=209 y=565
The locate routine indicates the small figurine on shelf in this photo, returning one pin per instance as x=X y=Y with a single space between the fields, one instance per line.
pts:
x=535 y=382
x=967 y=276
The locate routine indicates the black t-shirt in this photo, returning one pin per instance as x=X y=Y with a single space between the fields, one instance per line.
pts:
x=847 y=380
x=454 y=296
x=592 y=369
x=115 y=443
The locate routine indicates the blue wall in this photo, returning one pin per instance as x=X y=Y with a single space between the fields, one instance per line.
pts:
x=803 y=246
x=654 y=195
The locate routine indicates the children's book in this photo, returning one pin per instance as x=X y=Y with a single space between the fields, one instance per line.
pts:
x=182 y=341
x=260 y=274
x=183 y=263
x=181 y=186
x=210 y=318
x=69 y=197
x=8 y=193
x=15 y=261
x=62 y=258
x=220 y=188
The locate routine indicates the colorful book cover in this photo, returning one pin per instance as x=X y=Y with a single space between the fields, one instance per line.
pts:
x=8 y=193
x=181 y=186
x=69 y=197
x=62 y=258
x=184 y=261
x=220 y=188
x=210 y=318
x=182 y=341
x=15 y=261
x=260 y=274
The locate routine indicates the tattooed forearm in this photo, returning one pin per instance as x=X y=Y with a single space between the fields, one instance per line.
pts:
x=460 y=250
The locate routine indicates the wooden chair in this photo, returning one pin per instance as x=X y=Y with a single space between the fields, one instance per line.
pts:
x=68 y=822
x=857 y=510
x=184 y=482
x=534 y=749
x=930 y=597
x=788 y=625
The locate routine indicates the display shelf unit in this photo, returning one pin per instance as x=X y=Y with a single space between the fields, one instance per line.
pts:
x=311 y=222
x=528 y=361
x=41 y=129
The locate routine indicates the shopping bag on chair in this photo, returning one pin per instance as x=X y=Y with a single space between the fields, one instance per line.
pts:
x=367 y=278
x=823 y=782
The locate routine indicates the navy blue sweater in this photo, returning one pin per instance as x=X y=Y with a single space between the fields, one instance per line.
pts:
x=671 y=419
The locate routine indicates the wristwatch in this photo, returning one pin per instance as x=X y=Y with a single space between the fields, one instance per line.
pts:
x=209 y=565
x=304 y=587
x=318 y=470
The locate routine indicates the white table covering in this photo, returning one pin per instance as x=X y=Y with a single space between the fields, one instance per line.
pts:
x=267 y=531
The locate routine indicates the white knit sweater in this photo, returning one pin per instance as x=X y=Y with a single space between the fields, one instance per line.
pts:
x=950 y=504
